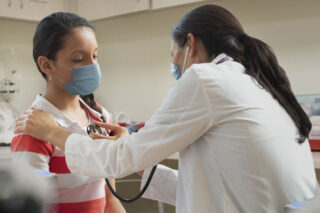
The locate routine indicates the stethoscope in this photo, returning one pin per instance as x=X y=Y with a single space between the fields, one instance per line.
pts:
x=92 y=128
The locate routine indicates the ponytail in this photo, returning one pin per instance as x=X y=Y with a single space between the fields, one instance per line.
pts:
x=262 y=65
x=89 y=100
x=221 y=32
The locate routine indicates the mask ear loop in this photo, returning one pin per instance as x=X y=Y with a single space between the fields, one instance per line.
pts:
x=185 y=60
x=70 y=69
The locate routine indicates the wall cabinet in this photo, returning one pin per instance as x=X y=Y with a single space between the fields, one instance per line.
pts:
x=99 y=9
x=34 y=10
x=158 y=4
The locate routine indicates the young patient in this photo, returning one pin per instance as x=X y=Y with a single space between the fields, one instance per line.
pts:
x=65 y=51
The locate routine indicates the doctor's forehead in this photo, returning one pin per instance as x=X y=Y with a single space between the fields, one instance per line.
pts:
x=81 y=39
x=174 y=47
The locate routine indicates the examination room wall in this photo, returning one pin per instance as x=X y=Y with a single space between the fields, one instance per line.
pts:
x=16 y=37
x=135 y=56
x=135 y=51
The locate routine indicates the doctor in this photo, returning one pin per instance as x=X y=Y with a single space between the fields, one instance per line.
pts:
x=240 y=133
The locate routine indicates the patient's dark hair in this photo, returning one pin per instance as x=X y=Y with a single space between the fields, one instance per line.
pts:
x=221 y=32
x=49 y=39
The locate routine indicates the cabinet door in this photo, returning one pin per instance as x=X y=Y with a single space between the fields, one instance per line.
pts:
x=34 y=10
x=157 y=4
x=99 y=9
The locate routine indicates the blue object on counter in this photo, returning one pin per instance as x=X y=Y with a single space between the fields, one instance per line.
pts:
x=132 y=128
x=299 y=204
x=42 y=172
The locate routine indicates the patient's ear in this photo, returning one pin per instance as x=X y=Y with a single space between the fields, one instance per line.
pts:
x=46 y=66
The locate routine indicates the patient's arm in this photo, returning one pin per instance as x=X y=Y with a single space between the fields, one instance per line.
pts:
x=113 y=205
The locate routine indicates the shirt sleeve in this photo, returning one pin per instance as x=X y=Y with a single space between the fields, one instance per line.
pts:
x=163 y=186
x=181 y=120
x=36 y=153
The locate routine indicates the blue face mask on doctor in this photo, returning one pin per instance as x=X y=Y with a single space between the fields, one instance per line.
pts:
x=85 y=79
x=175 y=68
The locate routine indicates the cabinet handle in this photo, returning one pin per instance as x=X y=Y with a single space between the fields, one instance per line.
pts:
x=9 y=3
x=21 y=4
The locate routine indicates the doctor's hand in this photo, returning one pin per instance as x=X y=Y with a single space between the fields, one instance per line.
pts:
x=35 y=123
x=41 y=125
x=117 y=131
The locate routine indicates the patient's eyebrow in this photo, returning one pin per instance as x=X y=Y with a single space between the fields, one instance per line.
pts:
x=81 y=51
x=77 y=51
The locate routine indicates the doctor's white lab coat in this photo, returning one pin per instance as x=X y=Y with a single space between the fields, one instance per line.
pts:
x=236 y=146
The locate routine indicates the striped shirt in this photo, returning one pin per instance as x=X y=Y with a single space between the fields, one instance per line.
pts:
x=76 y=193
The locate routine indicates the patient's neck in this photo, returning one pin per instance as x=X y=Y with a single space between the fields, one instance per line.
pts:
x=63 y=100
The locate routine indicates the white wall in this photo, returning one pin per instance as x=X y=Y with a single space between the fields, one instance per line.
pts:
x=18 y=37
x=134 y=51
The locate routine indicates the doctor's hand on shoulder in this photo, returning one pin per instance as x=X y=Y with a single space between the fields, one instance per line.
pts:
x=36 y=123
x=41 y=125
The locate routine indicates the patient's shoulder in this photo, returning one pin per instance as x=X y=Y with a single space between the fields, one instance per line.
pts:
x=27 y=143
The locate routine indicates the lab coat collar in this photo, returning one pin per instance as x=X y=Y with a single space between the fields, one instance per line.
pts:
x=241 y=68
x=220 y=57
x=63 y=120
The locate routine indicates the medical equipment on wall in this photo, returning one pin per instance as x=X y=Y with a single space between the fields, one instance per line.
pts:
x=92 y=128
x=9 y=87
x=9 y=76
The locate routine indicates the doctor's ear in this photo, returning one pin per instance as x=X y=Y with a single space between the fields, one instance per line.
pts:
x=45 y=65
x=191 y=43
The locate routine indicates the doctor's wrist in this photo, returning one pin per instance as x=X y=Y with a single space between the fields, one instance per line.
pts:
x=57 y=136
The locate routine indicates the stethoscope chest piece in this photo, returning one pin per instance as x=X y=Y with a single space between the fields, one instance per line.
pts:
x=92 y=128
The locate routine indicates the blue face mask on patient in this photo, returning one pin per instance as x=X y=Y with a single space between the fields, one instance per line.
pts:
x=85 y=79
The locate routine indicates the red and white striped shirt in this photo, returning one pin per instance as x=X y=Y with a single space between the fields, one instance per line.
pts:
x=76 y=193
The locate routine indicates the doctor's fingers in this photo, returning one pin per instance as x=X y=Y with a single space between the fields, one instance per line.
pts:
x=20 y=127
x=117 y=130
x=107 y=126
x=22 y=117
x=27 y=114
x=26 y=117
x=24 y=126
x=23 y=120
x=99 y=136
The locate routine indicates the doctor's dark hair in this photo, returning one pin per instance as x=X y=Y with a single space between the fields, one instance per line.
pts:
x=49 y=38
x=221 y=32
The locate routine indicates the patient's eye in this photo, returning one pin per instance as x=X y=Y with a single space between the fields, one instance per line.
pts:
x=78 y=60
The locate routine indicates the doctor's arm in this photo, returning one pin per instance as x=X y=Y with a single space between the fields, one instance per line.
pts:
x=183 y=118
x=163 y=186
x=164 y=182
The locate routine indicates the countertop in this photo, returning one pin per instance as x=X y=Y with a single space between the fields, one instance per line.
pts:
x=316 y=159
x=5 y=154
